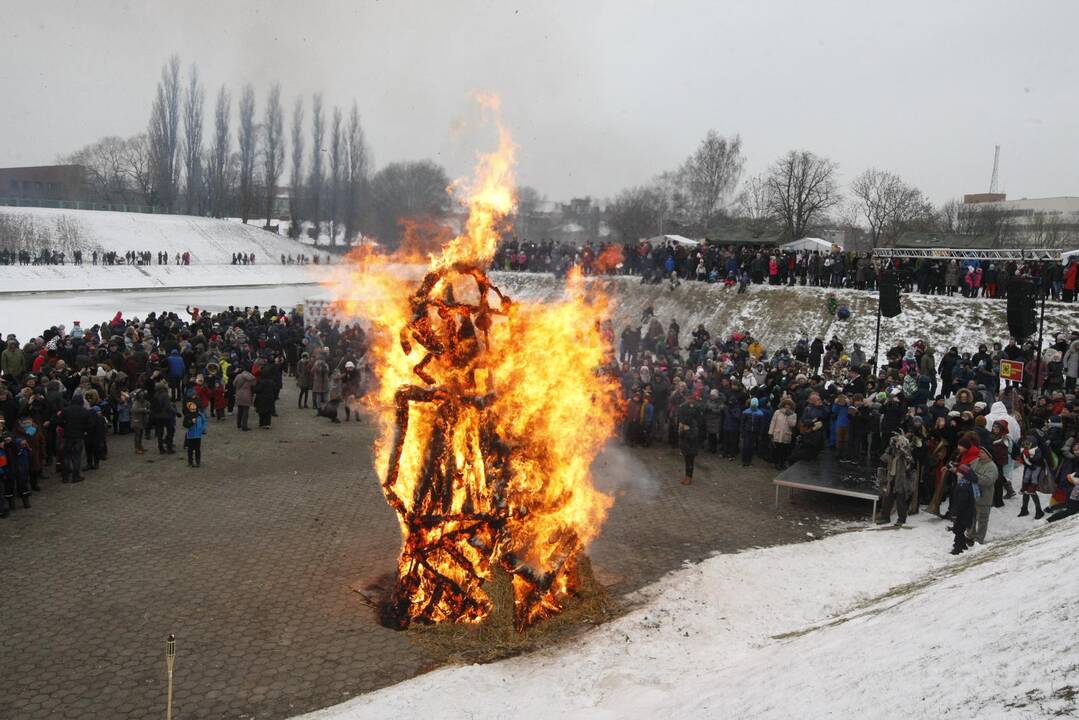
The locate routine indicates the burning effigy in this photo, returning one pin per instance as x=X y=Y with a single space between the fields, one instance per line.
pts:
x=490 y=414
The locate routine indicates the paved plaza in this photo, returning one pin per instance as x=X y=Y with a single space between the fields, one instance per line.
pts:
x=250 y=560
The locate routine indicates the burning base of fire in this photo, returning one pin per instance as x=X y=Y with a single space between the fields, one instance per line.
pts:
x=496 y=637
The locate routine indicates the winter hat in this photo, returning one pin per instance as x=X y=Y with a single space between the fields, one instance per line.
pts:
x=979 y=406
x=350 y=365
x=754 y=403
x=714 y=394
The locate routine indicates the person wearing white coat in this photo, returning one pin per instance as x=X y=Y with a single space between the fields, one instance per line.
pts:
x=997 y=411
x=1071 y=366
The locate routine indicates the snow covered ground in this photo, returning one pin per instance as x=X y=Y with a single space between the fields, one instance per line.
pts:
x=867 y=623
x=210 y=241
x=70 y=278
x=780 y=315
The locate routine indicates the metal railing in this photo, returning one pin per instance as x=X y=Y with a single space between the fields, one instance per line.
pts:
x=79 y=205
x=960 y=254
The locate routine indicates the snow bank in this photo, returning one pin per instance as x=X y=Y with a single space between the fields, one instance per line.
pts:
x=62 y=278
x=780 y=315
x=210 y=241
x=868 y=623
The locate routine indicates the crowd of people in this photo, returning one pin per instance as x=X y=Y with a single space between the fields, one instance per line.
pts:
x=934 y=430
x=937 y=429
x=68 y=397
x=47 y=256
x=301 y=259
x=730 y=265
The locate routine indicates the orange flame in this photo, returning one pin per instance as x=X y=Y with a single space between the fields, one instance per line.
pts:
x=610 y=258
x=490 y=415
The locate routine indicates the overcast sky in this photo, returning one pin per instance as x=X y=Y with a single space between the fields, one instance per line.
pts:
x=598 y=95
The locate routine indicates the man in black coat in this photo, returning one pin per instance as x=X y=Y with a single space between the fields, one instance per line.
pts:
x=75 y=420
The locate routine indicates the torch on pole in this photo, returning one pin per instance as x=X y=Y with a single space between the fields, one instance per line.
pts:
x=170 y=660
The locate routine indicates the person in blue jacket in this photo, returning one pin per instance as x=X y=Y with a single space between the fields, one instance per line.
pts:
x=195 y=423
x=752 y=427
x=177 y=368
x=840 y=424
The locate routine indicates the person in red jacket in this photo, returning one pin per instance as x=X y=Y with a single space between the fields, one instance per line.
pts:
x=203 y=394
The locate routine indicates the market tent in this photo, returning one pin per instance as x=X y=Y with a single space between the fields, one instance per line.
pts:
x=810 y=244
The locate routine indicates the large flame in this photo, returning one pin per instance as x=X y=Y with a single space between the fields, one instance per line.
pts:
x=490 y=414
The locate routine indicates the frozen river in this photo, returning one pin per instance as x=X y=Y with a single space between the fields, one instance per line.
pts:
x=27 y=314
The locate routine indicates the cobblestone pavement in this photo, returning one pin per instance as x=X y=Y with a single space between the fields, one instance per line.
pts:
x=249 y=561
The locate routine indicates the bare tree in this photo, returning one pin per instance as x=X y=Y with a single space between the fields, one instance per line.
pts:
x=801 y=188
x=755 y=206
x=676 y=213
x=406 y=190
x=637 y=212
x=273 y=147
x=314 y=183
x=1050 y=231
x=356 y=178
x=295 y=195
x=989 y=219
x=193 y=101
x=105 y=168
x=947 y=217
x=163 y=134
x=139 y=167
x=337 y=156
x=887 y=203
x=218 y=161
x=710 y=174
x=248 y=139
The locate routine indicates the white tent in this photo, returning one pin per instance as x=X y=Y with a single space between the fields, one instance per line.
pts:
x=676 y=239
x=810 y=244
x=1065 y=257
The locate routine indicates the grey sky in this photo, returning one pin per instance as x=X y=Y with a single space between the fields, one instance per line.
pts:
x=598 y=95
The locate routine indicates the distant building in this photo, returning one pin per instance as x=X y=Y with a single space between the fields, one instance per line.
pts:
x=975 y=198
x=1032 y=222
x=43 y=182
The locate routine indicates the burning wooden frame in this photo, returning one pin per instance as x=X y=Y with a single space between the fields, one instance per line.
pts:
x=461 y=515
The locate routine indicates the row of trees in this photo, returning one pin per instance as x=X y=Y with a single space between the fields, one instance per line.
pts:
x=798 y=194
x=176 y=167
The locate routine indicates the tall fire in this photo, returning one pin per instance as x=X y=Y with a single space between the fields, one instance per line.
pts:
x=490 y=413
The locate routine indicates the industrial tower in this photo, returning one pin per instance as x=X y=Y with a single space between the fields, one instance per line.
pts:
x=996 y=167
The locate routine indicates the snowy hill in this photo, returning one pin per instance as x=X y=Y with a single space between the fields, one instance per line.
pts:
x=779 y=315
x=210 y=241
x=868 y=623
x=65 y=278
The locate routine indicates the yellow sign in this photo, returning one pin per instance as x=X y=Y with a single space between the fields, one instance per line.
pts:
x=1011 y=370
